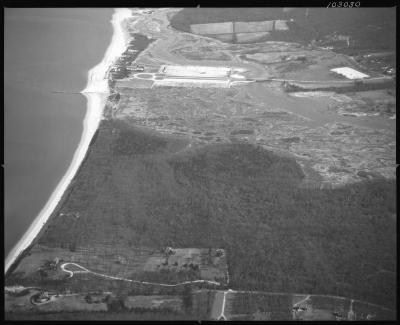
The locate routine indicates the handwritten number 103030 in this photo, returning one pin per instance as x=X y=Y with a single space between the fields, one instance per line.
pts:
x=344 y=4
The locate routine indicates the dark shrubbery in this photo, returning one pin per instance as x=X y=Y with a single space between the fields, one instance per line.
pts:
x=187 y=298
x=135 y=142
x=116 y=305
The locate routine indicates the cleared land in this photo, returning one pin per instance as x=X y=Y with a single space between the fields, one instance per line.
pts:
x=265 y=306
x=364 y=25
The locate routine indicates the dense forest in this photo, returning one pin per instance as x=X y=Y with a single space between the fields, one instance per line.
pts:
x=138 y=188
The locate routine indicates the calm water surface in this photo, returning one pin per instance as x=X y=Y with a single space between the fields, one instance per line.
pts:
x=45 y=50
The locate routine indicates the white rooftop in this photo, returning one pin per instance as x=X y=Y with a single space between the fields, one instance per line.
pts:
x=194 y=71
x=185 y=82
x=350 y=73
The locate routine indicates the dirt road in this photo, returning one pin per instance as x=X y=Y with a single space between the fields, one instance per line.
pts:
x=218 y=309
x=85 y=270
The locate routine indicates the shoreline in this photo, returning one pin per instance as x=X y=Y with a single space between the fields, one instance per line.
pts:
x=96 y=93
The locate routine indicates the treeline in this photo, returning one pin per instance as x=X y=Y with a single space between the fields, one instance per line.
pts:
x=358 y=85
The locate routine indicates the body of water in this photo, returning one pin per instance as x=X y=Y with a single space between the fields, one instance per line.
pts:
x=45 y=50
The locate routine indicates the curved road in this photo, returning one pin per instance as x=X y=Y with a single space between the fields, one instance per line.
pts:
x=85 y=270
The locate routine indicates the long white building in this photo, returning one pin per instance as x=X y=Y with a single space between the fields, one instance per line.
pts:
x=194 y=71
x=187 y=82
x=350 y=73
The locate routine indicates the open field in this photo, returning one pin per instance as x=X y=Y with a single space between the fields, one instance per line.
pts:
x=260 y=115
x=240 y=31
x=183 y=19
x=172 y=303
x=259 y=306
x=201 y=53
x=200 y=304
x=100 y=316
x=203 y=303
x=61 y=303
x=253 y=27
x=269 y=306
x=139 y=264
x=210 y=29
x=364 y=25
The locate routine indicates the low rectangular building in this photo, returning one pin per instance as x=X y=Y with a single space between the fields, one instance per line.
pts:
x=350 y=73
x=188 y=82
x=194 y=71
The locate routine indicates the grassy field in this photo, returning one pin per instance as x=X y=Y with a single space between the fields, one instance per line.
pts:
x=171 y=303
x=265 y=306
x=100 y=316
x=183 y=19
x=136 y=189
x=202 y=302
x=202 y=53
x=278 y=307
x=365 y=25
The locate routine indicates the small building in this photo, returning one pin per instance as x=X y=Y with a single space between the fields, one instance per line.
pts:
x=350 y=73
x=390 y=71
x=53 y=264
x=40 y=298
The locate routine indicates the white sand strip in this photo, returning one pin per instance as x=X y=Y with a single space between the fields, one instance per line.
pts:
x=96 y=93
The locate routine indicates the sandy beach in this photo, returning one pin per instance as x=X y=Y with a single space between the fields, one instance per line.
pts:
x=96 y=93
